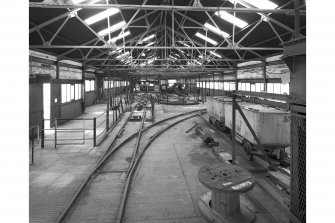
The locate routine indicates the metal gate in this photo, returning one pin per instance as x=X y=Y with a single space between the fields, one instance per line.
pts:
x=298 y=166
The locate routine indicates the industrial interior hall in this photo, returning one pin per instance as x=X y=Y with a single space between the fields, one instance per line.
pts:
x=167 y=111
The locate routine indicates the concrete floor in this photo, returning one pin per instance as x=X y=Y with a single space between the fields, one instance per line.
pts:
x=165 y=189
x=58 y=173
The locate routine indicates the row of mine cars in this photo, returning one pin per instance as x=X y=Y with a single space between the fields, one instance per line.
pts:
x=271 y=125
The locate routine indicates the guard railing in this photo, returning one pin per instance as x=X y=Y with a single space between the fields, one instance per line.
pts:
x=83 y=129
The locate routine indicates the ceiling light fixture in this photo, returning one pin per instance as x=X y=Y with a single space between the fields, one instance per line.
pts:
x=230 y=18
x=123 y=55
x=215 y=54
x=206 y=38
x=102 y=15
x=112 y=28
x=149 y=44
x=216 y=30
x=261 y=4
x=148 y=37
x=120 y=36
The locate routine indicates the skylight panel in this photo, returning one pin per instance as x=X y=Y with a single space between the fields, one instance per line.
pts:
x=78 y=1
x=123 y=55
x=180 y=50
x=185 y=44
x=152 y=60
x=149 y=44
x=261 y=4
x=230 y=18
x=120 y=36
x=216 y=30
x=173 y=57
x=102 y=15
x=197 y=62
x=112 y=28
x=148 y=37
x=215 y=54
x=206 y=38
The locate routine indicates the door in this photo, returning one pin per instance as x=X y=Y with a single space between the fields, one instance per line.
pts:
x=46 y=105
x=35 y=104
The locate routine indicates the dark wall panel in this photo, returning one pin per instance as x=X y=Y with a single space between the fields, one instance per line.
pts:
x=35 y=104
x=71 y=110
x=90 y=98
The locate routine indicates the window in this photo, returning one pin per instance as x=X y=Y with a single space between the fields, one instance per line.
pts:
x=252 y=87
x=211 y=85
x=232 y=86
x=216 y=85
x=276 y=88
x=226 y=86
x=92 y=85
x=285 y=88
x=89 y=85
x=247 y=86
x=70 y=92
x=242 y=86
x=269 y=87
x=171 y=82
x=259 y=87
x=198 y=84
x=63 y=91
x=77 y=91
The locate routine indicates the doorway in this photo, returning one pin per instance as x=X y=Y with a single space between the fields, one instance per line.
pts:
x=46 y=105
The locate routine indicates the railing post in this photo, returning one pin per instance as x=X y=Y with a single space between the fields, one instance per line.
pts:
x=55 y=133
x=121 y=104
x=42 y=134
x=107 y=119
x=94 y=132
x=32 y=146
x=84 y=130
x=233 y=128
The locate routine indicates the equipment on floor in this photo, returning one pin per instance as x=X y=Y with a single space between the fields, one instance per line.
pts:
x=222 y=203
x=204 y=135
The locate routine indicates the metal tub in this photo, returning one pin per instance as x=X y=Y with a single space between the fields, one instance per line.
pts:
x=216 y=108
x=271 y=125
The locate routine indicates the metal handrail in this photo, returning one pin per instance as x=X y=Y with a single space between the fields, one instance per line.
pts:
x=31 y=139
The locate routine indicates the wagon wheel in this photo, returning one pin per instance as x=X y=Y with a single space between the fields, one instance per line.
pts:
x=247 y=147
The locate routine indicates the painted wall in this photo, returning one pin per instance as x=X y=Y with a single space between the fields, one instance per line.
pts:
x=298 y=81
x=71 y=109
x=90 y=98
x=35 y=104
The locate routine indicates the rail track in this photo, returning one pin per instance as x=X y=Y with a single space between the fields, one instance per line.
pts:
x=103 y=194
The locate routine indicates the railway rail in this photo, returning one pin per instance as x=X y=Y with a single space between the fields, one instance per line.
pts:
x=127 y=145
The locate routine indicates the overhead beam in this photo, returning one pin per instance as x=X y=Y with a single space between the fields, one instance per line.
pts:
x=168 y=8
x=159 y=47
x=102 y=59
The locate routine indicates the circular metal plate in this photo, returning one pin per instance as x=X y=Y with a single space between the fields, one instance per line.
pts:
x=228 y=178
